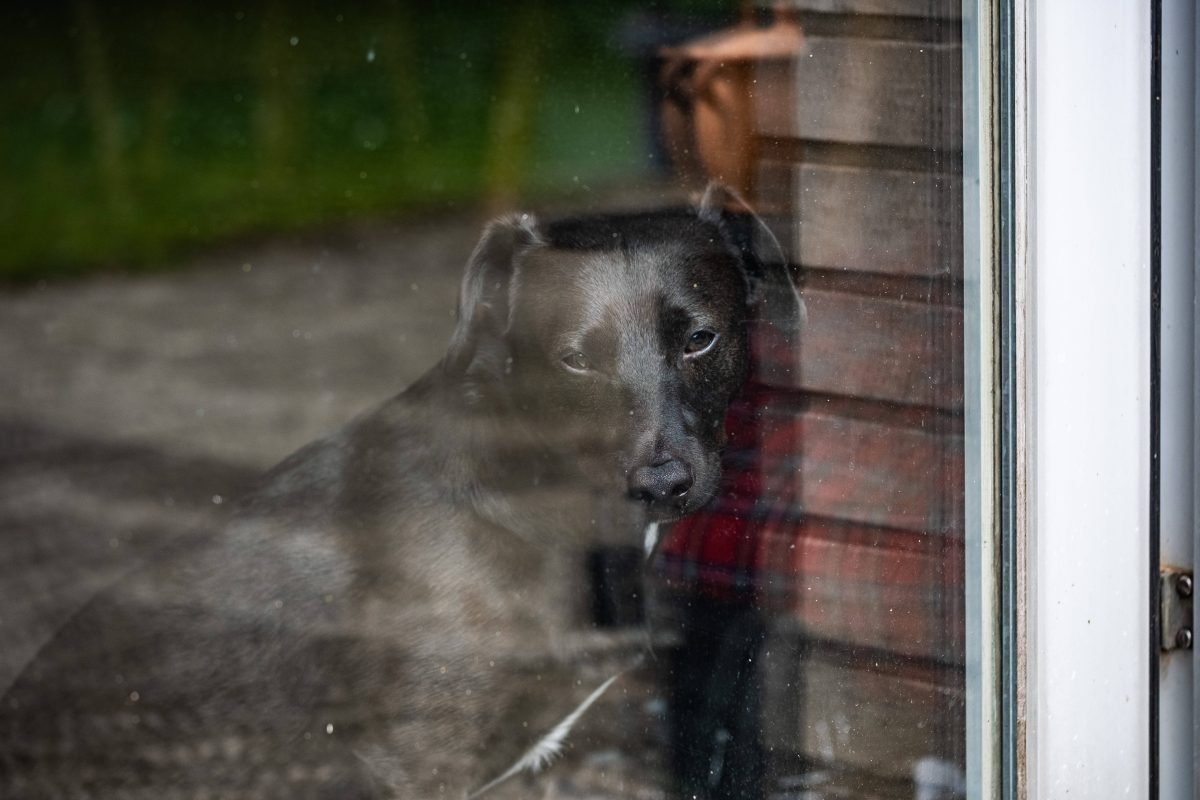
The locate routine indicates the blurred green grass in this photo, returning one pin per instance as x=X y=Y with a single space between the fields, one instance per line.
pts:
x=130 y=131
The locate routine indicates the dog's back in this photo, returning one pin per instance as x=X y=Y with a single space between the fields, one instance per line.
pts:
x=255 y=665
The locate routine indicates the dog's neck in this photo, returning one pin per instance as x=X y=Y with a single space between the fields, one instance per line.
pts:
x=497 y=468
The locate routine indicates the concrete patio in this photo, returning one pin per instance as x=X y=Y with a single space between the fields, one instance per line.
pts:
x=133 y=407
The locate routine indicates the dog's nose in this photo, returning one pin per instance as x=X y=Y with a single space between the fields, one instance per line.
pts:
x=666 y=482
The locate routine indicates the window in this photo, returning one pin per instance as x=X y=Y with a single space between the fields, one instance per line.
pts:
x=701 y=483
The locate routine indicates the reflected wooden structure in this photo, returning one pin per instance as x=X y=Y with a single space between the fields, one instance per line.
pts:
x=852 y=153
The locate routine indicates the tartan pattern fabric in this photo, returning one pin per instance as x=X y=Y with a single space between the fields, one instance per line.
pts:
x=852 y=528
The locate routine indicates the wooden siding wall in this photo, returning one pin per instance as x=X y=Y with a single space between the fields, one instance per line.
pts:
x=861 y=181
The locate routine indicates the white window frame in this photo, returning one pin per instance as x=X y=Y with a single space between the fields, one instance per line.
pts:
x=1176 y=673
x=1088 y=515
x=1082 y=344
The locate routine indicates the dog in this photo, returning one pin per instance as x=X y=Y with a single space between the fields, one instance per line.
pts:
x=386 y=614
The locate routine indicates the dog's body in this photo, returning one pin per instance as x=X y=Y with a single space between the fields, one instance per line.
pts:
x=388 y=614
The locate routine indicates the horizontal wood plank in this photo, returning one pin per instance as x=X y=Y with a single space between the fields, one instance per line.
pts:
x=867 y=588
x=866 y=472
x=869 y=91
x=860 y=719
x=881 y=349
x=881 y=221
x=867 y=348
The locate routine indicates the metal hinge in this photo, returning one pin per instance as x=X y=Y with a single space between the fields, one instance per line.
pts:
x=1175 y=608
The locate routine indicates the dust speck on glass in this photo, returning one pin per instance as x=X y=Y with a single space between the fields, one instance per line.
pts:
x=454 y=400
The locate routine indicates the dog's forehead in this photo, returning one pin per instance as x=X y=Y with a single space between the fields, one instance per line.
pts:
x=629 y=282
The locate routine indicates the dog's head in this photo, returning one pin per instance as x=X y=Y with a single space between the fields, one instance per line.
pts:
x=616 y=342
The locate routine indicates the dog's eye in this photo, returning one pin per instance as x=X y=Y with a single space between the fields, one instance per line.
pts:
x=576 y=362
x=699 y=342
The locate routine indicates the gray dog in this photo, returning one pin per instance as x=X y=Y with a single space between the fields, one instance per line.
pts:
x=362 y=625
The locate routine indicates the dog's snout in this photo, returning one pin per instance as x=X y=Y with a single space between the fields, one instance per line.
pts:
x=667 y=482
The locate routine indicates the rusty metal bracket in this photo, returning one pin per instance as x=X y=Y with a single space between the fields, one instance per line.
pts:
x=1175 y=590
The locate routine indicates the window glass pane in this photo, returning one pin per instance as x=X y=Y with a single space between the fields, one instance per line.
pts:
x=670 y=499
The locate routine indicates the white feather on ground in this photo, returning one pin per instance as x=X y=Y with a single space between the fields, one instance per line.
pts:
x=550 y=746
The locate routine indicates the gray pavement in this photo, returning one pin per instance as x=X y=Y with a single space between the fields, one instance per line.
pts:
x=133 y=407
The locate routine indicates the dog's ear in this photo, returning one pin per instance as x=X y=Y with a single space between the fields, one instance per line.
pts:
x=770 y=285
x=483 y=302
x=717 y=198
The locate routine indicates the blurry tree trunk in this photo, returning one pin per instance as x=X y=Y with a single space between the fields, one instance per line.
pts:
x=412 y=121
x=102 y=108
x=158 y=124
x=275 y=111
x=166 y=32
x=510 y=130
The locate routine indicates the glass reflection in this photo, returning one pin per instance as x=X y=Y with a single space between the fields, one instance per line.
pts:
x=642 y=521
